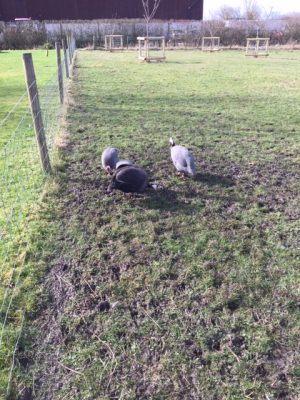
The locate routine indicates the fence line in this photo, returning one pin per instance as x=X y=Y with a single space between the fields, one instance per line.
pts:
x=21 y=185
x=36 y=109
x=14 y=354
x=5 y=119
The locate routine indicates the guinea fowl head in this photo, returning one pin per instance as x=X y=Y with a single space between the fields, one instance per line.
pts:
x=171 y=142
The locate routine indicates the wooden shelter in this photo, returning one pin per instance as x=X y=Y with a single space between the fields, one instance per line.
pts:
x=257 y=47
x=152 y=48
x=211 y=43
x=114 y=42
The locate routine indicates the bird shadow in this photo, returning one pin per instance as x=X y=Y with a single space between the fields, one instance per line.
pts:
x=215 y=179
x=165 y=200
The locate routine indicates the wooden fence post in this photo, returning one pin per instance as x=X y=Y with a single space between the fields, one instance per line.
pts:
x=65 y=58
x=94 y=42
x=69 y=48
x=73 y=46
x=59 y=72
x=36 y=113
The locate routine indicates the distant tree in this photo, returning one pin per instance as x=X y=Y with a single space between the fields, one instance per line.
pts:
x=292 y=28
x=150 y=7
x=270 y=13
x=212 y=28
x=252 y=10
x=227 y=12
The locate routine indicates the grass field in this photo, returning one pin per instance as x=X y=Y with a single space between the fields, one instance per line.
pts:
x=190 y=292
x=18 y=153
x=21 y=182
x=12 y=84
x=20 y=172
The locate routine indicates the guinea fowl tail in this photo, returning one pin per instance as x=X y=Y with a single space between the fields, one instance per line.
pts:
x=153 y=186
x=191 y=168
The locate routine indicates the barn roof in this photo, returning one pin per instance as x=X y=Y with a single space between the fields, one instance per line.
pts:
x=97 y=9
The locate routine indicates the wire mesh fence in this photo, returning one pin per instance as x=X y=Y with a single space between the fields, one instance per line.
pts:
x=21 y=185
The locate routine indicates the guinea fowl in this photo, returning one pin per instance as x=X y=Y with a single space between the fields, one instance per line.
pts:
x=123 y=163
x=129 y=178
x=109 y=159
x=183 y=159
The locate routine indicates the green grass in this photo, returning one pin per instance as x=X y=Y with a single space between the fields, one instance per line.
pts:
x=20 y=172
x=21 y=180
x=190 y=292
x=18 y=152
x=12 y=84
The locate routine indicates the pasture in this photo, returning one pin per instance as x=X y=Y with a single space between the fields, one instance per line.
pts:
x=12 y=84
x=21 y=182
x=18 y=155
x=188 y=292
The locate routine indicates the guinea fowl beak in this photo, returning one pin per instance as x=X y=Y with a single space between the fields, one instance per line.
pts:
x=108 y=170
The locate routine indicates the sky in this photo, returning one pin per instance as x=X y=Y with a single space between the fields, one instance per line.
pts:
x=278 y=6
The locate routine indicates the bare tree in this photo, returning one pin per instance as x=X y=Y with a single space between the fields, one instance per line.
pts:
x=212 y=27
x=150 y=7
x=227 y=13
x=269 y=13
x=252 y=10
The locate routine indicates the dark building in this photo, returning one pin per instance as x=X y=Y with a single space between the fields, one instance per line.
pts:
x=97 y=9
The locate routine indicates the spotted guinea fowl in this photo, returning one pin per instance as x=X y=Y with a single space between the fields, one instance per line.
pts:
x=183 y=159
x=129 y=178
x=109 y=159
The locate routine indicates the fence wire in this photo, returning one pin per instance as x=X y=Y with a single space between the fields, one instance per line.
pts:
x=21 y=185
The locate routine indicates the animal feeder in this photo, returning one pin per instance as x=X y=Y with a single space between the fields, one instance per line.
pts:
x=211 y=43
x=257 y=47
x=114 y=42
x=178 y=39
x=152 y=48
